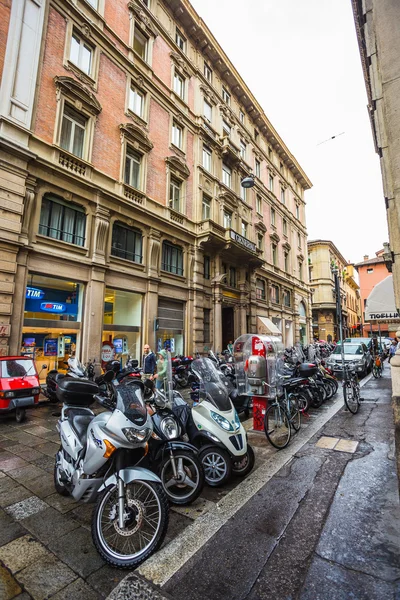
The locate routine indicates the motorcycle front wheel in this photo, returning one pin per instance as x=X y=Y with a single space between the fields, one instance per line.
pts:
x=146 y=517
x=188 y=484
x=242 y=467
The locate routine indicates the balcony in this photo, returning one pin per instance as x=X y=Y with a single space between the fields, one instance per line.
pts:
x=230 y=152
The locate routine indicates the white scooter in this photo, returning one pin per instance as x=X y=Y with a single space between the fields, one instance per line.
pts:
x=214 y=427
x=97 y=461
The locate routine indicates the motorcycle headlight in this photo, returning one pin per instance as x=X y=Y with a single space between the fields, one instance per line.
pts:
x=170 y=428
x=136 y=435
x=221 y=421
x=237 y=420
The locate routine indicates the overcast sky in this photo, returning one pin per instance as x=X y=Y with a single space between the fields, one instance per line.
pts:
x=300 y=59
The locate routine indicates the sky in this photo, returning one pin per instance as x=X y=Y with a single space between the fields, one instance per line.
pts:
x=301 y=61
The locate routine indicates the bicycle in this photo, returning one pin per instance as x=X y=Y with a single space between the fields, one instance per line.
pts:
x=378 y=367
x=283 y=414
x=351 y=389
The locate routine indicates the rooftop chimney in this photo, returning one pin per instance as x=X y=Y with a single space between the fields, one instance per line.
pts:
x=366 y=257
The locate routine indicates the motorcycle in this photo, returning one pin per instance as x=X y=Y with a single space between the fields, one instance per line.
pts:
x=213 y=426
x=98 y=462
x=74 y=369
x=175 y=461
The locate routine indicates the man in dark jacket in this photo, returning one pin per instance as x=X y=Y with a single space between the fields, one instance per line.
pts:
x=148 y=362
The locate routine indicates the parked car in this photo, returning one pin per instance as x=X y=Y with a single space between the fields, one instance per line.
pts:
x=19 y=385
x=355 y=353
x=368 y=342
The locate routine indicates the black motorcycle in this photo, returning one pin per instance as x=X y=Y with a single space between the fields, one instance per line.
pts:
x=175 y=462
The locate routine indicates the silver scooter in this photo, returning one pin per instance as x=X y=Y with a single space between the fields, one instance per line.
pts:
x=97 y=462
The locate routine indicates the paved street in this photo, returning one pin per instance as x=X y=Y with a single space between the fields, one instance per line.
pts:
x=45 y=542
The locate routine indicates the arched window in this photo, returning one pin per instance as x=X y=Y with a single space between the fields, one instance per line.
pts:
x=302 y=309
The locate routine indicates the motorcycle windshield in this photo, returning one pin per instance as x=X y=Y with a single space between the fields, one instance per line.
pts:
x=212 y=387
x=130 y=402
x=75 y=366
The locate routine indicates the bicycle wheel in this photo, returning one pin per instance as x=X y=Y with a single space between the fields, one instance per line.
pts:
x=351 y=398
x=294 y=412
x=277 y=426
x=375 y=371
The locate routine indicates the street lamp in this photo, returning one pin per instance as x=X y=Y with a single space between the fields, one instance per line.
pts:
x=387 y=256
x=335 y=271
x=248 y=181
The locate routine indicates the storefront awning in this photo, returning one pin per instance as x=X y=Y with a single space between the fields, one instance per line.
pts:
x=381 y=304
x=266 y=326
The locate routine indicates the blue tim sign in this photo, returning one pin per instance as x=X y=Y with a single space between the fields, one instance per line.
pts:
x=34 y=293
x=53 y=307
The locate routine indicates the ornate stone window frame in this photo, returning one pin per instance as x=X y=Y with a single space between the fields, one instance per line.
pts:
x=177 y=169
x=71 y=92
x=137 y=83
x=84 y=31
x=143 y=23
x=134 y=137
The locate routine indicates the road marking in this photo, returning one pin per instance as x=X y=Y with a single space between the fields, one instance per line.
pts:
x=160 y=567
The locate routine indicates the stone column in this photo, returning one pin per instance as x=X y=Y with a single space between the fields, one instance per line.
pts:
x=93 y=316
x=20 y=281
x=217 y=341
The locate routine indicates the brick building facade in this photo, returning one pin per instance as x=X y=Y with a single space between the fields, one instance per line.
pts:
x=124 y=134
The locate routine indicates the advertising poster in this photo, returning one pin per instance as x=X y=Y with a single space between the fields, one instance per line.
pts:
x=50 y=347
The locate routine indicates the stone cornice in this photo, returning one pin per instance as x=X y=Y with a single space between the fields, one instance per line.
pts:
x=176 y=164
x=137 y=136
x=70 y=87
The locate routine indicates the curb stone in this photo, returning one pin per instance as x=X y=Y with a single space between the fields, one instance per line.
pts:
x=135 y=587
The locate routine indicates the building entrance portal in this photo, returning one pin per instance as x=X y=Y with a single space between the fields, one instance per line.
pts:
x=228 y=327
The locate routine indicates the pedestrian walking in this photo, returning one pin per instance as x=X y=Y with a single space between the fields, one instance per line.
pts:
x=393 y=348
x=148 y=362
x=230 y=347
x=161 y=370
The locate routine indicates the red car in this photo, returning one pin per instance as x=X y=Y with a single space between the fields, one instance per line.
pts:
x=19 y=385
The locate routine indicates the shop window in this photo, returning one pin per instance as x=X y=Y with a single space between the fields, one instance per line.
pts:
x=179 y=84
x=274 y=294
x=260 y=289
x=207 y=325
x=140 y=44
x=62 y=221
x=122 y=322
x=73 y=131
x=172 y=258
x=127 y=243
x=227 y=175
x=81 y=53
x=207 y=156
x=207 y=267
x=232 y=277
x=208 y=72
x=207 y=111
x=136 y=101
x=286 y=298
x=175 y=192
x=206 y=208
x=133 y=161
x=180 y=40
x=52 y=299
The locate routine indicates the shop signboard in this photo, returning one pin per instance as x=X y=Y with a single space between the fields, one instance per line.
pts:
x=50 y=347
x=172 y=345
x=64 y=308
x=32 y=292
x=107 y=352
x=118 y=345
x=53 y=307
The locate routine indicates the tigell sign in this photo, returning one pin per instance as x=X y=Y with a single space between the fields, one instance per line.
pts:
x=239 y=239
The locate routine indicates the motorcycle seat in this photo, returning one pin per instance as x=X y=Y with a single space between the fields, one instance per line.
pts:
x=293 y=382
x=79 y=421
